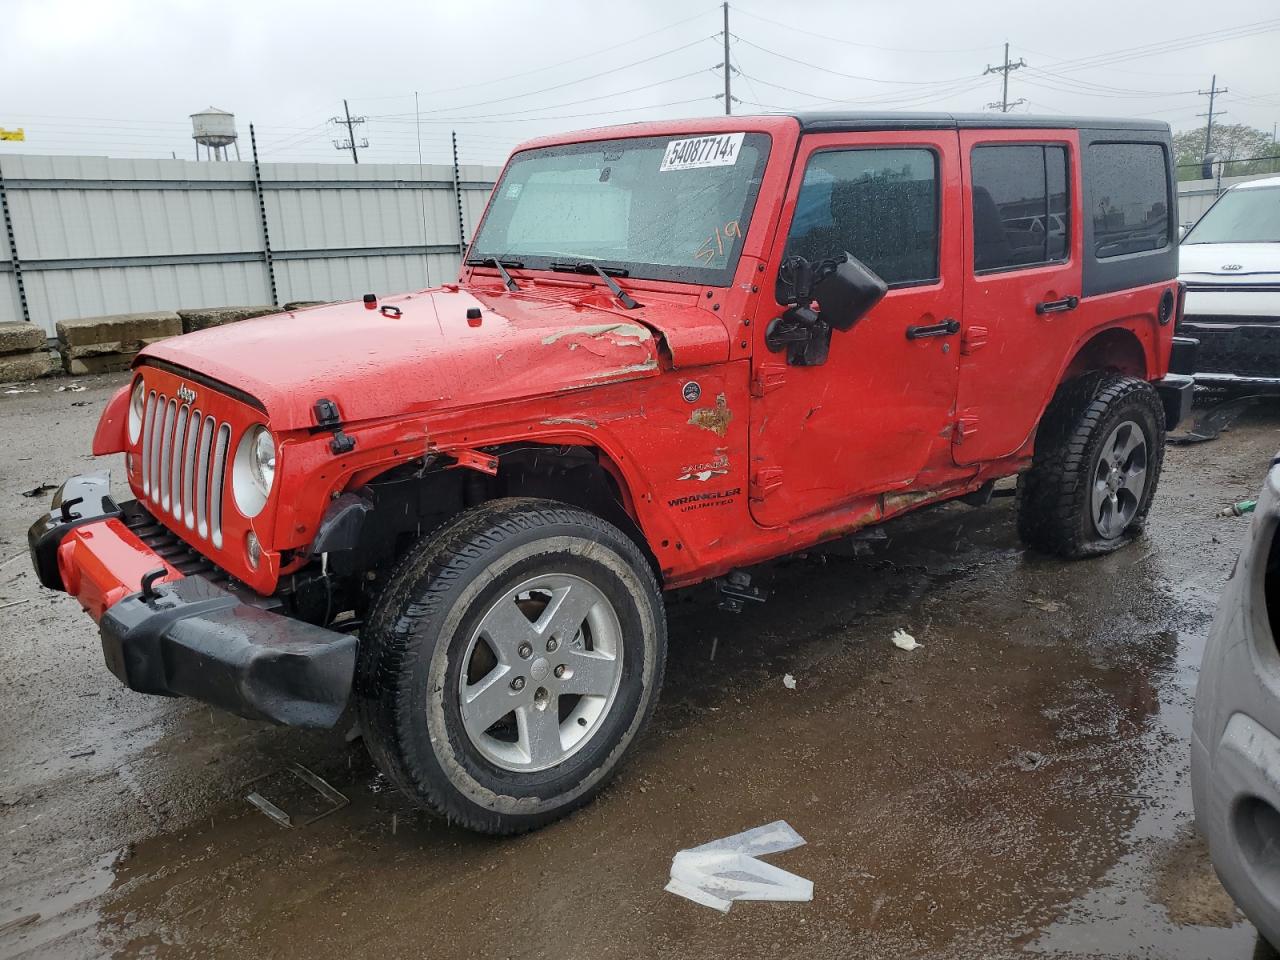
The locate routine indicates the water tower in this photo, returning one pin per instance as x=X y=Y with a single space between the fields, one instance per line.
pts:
x=216 y=130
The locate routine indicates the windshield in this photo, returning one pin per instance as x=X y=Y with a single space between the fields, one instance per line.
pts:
x=1249 y=215
x=661 y=208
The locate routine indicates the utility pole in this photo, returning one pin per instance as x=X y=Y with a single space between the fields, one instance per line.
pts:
x=728 y=95
x=1008 y=68
x=350 y=143
x=1212 y=92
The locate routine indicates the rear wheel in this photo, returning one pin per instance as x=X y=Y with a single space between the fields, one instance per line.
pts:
x=510 y=663
x=1097 y=461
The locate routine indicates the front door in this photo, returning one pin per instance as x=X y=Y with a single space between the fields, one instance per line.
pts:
x=880 y=409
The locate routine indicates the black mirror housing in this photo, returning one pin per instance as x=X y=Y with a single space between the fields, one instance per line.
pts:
x=847 y=293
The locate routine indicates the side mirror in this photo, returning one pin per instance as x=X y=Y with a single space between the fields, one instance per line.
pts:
x=847 y=293
x=1182 y=230
x=845 y=290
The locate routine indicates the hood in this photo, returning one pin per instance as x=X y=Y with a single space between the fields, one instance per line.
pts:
x=432 y=356
x=1200 y=261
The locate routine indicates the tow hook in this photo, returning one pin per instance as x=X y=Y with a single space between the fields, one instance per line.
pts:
x=736 y=590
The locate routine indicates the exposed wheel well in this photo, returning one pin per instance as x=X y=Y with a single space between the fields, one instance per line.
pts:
x=1114 y=350
x=369 y=528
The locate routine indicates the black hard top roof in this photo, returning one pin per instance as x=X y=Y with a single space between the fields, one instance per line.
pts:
x=835 y=120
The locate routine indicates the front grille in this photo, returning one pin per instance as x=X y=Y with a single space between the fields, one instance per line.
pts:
x=1246 y=351
x=184 y=462
x=167 y=545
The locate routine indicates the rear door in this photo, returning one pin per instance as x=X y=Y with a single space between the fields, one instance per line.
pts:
x=1022 y=283
x=871 y=417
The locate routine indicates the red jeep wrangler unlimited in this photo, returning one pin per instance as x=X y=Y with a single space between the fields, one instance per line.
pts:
x=675 y=350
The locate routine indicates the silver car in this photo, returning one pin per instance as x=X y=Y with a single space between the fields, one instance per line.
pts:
x=1235 y=743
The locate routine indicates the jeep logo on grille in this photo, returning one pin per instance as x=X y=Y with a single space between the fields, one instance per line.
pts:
x=186 y=394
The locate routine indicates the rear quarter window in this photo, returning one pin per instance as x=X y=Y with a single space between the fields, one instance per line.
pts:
x=1128 y=200
x=1131 y=194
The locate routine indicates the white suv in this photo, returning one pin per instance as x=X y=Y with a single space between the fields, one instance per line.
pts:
x=1230 y=263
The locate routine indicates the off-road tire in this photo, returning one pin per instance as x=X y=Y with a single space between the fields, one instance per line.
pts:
x=408 y=670
x=1054 y=496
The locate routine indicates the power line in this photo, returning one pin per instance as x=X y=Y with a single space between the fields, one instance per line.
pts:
x=1075 y=84
x=896 y=99
x=809 y=64
x=559 y=86
x=1168 y=46
x=571 y=103
x=565 y=63
x=854 y=43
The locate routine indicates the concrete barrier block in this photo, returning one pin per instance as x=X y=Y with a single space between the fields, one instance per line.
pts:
x=304 y=304
x=121 y=333
x=28 y=366
x=20 y=337
x=102 y=363
x=110 y=349
x=203 y=319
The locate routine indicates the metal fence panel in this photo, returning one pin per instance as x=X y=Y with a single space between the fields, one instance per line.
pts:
x=9 y=308
x=98 y=235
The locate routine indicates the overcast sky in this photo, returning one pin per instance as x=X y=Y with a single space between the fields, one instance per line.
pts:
x=120 y=77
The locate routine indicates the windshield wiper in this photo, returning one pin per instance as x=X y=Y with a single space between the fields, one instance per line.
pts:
x=586 y=266
x=501 y=266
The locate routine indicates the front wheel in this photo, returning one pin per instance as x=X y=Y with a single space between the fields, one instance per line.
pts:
x=1097 y=461
x=510 y=663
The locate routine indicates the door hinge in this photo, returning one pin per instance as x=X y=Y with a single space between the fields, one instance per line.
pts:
x=768 y=377
x=764 y=481
x=972 y=340
x=965 y=427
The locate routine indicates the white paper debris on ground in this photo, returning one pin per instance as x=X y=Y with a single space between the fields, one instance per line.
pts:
x=789 y=681
x=722 y=871
x=904 y=641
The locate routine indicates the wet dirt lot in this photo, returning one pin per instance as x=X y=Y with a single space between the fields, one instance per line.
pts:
x=1018 y=785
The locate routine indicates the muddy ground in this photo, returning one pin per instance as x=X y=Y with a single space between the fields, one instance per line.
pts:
x=1018 y=785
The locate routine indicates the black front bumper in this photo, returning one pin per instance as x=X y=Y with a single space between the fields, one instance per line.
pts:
x=217 y=642
x=192 y=638
x=83 y=499
x=1243 y=352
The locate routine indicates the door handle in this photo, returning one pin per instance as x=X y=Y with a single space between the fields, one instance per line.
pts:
x=943 y=329
x=1057 y=306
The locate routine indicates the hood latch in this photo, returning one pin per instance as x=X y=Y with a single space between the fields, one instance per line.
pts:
x=328 y=418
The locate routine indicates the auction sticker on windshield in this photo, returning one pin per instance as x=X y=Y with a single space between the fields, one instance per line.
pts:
x=714 y=151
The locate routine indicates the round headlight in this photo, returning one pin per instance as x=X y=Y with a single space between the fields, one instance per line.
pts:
x=137 y=407
x=253 y=472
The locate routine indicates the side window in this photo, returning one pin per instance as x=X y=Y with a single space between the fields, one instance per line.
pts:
x=881 y=205
x=1129 y=183
x=1021 y=206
